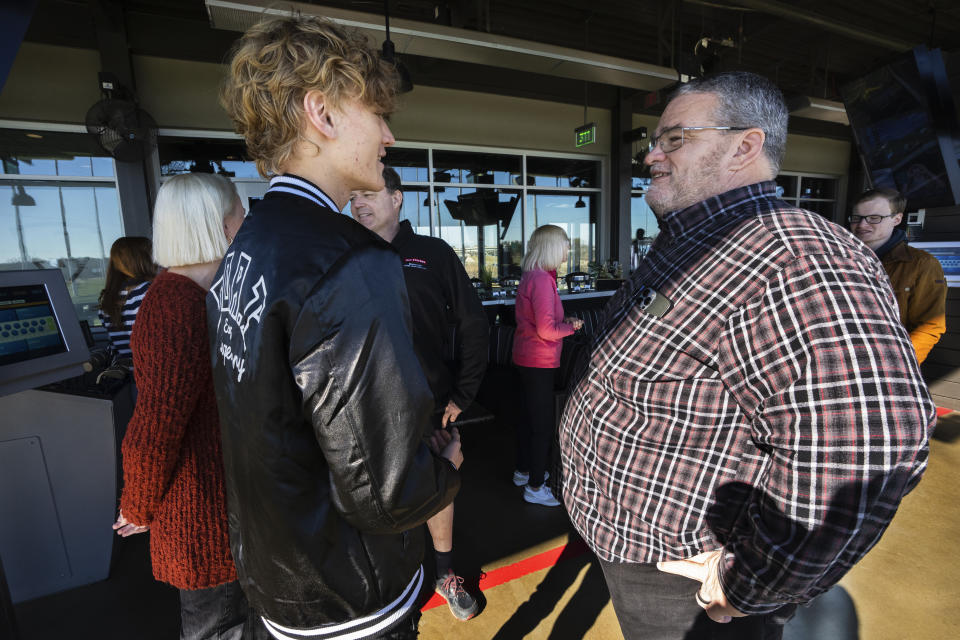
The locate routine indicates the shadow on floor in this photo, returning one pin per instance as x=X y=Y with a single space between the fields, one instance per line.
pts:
x=578 y=614
x=129 y=604
x=831 y=616
x=948 y=429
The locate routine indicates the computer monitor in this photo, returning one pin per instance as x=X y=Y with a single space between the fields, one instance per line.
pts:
x=947 y=252
x=40 y=336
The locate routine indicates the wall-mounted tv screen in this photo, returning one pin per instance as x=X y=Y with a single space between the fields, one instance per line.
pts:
x=40 y=336
x=904 y=121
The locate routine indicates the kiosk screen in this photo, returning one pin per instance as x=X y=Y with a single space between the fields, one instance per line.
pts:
x=28 y=326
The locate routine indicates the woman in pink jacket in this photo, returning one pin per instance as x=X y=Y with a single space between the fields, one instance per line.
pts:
x=536 y=352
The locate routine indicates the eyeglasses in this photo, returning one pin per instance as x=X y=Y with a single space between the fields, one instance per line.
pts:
x=672 y=139
x=869 y=219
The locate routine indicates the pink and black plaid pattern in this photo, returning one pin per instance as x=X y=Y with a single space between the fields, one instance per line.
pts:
x=769 y=402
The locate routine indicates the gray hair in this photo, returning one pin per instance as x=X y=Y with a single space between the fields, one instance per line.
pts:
x=546 y=249
x=746 y=99
x=188 y=219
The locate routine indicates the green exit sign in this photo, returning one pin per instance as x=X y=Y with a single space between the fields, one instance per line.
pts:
x=587 y=134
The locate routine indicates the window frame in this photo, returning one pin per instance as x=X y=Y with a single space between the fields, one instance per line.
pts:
x=93 y=181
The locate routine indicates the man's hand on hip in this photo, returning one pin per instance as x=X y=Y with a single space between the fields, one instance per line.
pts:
x=705 y=569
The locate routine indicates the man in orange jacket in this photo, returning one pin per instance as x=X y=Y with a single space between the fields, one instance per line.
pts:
x=916 y=276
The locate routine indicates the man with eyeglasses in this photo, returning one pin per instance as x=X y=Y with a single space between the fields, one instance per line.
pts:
x=752 y=412
x=916 y=276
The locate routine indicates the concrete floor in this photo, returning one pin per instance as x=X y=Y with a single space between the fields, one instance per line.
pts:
x=905 y=588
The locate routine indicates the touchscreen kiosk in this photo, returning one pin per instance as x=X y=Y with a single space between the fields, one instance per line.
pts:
x=40 y=336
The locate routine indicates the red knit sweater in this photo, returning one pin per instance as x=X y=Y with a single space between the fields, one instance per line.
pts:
x=172 y=453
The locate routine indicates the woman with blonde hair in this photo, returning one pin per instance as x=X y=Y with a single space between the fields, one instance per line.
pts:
x=129 y=273
x=537 y=342
x=172 y=454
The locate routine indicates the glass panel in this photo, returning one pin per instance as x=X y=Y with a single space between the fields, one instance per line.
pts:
x=789 y=186
x=65 y=226
x=36 y=166
x=411 y=164
x=818 y=188
x=77 y=166
x=576 y=214
x=637 y=182
x=225 y=157
x=51 y=153
x=562 y=172
x=825 y=209
x=239 y=169
x=645 y=227
x=476 y=168
x=472 y=221
x=416 y=209
x=103 y=167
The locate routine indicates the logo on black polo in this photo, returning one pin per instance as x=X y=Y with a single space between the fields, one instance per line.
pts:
x=414 y=263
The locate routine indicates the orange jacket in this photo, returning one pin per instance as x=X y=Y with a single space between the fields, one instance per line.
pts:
x=921 y=291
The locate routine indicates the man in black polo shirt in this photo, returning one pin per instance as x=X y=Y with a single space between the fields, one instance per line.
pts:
x=447 y=315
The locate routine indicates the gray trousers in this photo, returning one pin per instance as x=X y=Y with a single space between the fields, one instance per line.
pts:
x=653 y=605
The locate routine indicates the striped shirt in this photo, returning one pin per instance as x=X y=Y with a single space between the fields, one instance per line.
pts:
x=751 y=387
x=120 y=335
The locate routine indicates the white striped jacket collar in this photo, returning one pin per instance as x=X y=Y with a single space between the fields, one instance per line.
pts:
x=289 y=183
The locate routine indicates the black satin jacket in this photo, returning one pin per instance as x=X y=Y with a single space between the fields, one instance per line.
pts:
x=324 y=413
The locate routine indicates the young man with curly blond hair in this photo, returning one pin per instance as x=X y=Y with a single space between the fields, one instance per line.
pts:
x=331 y=462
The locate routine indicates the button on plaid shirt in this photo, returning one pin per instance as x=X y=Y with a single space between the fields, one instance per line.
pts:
x=751 y=387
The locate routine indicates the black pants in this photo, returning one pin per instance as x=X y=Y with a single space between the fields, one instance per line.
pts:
x=653 y=605
x=217 y=613
x=406 y=630
x=535 y=432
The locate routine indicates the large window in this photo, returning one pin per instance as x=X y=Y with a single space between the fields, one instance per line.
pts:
x=817 y=193
x=58 y=209
x=644 y=225
x=485 y=204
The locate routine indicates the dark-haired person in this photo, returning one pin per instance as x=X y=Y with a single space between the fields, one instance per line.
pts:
x=752 y=412
x=916 y=276
x=330 y=456
x=441 y=296
x=129 y=273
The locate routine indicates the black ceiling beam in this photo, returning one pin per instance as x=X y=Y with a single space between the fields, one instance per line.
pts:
x=790 y=12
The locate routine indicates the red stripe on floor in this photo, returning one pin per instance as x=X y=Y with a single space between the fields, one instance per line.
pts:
x=942 y=411
x=520 y=569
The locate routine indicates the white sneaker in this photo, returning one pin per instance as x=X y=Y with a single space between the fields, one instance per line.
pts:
x=521 y=478
x=540 y=495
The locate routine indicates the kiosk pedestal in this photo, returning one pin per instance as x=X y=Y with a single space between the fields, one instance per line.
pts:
x=58 y=488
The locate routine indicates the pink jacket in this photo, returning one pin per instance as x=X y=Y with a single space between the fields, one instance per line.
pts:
x=540 y=326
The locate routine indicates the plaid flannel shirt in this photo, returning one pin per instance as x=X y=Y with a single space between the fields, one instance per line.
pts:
x=751 y=387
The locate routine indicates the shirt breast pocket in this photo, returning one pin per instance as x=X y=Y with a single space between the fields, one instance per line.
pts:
x=654 y=342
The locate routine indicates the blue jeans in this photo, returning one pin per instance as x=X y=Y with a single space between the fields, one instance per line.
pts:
x=653 y=605
x=217 y=613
